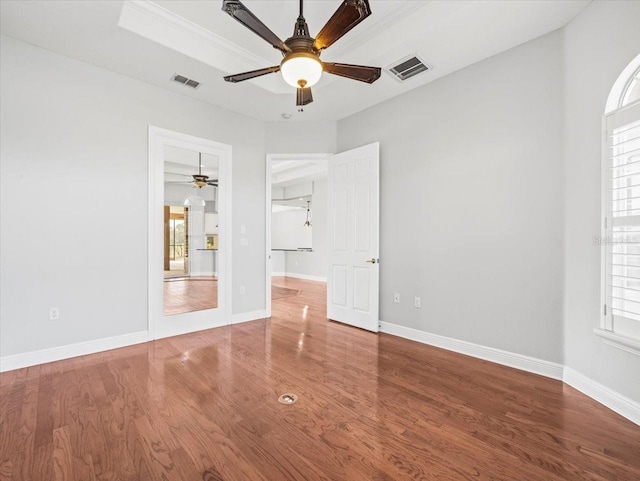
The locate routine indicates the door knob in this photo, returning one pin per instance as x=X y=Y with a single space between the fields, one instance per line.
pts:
x=372 y=260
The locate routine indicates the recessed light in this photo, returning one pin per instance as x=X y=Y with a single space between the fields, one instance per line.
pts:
x=286 y=116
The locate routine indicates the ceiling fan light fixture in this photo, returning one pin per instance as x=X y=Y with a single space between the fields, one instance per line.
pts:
x=200 y=180
x=301 y=69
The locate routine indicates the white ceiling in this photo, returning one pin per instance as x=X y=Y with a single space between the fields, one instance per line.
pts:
x=181 y=164
x=285 y=173
x=152 y=41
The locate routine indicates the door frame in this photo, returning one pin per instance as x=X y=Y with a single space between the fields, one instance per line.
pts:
x=270 y=158
x=186 y=270
x=158 y=139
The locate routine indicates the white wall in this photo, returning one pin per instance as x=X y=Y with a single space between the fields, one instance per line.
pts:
x=301 y=137
x=288 y=230
x=599 y=43
x=306 y=138
x=74 y=197
x=471 y=201
x=313 y=264
x=278 y=263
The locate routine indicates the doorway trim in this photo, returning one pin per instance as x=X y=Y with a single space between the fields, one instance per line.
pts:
x=158 y=139
x=270 y=158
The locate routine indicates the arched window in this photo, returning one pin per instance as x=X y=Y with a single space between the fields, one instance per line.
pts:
x=621 y=209
x=631 y=91
x=626 y=89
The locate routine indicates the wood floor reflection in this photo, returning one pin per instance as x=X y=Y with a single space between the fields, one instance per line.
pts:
x=188 y=294
x=204 y=406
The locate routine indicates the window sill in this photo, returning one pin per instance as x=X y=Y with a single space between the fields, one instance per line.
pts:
x=621 y=342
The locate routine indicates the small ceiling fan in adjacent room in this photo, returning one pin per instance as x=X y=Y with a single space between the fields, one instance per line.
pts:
x=301 y=66
x=198 y=180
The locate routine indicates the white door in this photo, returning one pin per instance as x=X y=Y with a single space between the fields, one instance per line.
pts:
x=353 y=276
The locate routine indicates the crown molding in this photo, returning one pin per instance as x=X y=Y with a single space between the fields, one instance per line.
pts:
x=160 y=25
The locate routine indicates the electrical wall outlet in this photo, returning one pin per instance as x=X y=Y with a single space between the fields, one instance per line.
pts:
x=417 y=302
x=396 y=298
x=54 y=313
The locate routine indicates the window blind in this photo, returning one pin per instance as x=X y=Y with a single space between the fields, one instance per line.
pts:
x=622 y=240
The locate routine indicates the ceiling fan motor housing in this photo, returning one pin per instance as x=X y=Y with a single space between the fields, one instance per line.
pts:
x=301 y=46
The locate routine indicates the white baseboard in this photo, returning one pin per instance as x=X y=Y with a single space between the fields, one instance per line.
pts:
x=17 y=361
x=624 y=406
x=203 y=274
x=278 y=274
x=618 y=403
x=248 y=316
x=517 y=361
x=303 y=276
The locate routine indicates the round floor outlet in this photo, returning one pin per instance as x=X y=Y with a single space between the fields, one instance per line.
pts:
x=287 y=398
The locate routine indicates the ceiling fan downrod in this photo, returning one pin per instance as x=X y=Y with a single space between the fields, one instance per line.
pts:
x=200 y=180
x=301 y=29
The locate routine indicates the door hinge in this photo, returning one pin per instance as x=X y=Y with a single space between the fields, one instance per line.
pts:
x=605 y=309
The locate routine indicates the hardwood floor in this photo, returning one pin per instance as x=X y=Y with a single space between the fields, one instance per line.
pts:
x=204 y=406
x=188 y=294
x=197 y=293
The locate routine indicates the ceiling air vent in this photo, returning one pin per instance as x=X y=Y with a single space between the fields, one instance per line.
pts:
x=408 y=67
x=185 y=81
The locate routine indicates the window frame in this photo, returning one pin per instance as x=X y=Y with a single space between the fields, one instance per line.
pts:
x=606 y=329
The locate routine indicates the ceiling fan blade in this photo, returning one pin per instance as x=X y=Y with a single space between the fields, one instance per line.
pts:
x=242 y=14
x=303 y=97
x=355 y=72
x=239 y=77
x=348 y=15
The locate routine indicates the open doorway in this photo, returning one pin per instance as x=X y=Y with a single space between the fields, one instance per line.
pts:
x=176 y=225
x=345 y=251
x=296 y=222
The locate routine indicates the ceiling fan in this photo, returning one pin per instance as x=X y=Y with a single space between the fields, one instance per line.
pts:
x=301 y=66
x=199 y=180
